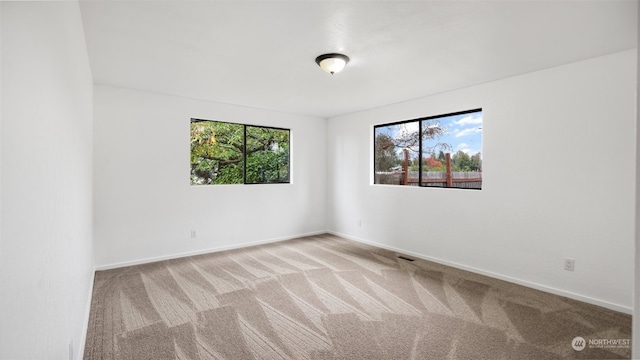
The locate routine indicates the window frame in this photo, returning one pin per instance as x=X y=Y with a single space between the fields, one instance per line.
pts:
x=420 y=147
x=244 y=152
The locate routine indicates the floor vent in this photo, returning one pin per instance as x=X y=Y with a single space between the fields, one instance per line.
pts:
x=405 y=258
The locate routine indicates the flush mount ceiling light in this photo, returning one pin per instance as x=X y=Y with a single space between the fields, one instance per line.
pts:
x=332 y=63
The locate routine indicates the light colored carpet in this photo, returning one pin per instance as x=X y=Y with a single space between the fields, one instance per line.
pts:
x=324 y=297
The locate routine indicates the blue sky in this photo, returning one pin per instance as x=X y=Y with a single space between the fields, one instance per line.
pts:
x=463 y=132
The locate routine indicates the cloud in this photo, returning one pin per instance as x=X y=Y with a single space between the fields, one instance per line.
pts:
x=464 y=147
x=467 y=149
x=403 y=129
x=467 y=131
x=411 y=127
x=471 y=152
x=468 y=120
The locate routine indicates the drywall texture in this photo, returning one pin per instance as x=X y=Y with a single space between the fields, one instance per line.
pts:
x=46 y=259
x=145 y=207
x=636 y=318
x=559 y=168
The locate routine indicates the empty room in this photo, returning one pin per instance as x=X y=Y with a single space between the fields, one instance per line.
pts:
x=319 y=180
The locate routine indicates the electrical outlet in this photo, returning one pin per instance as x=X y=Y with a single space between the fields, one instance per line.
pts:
x=359 y=223
x=193 y=234
x=569 y=264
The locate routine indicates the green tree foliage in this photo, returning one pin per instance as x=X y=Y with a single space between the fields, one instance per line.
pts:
x=218 y=153
x=385 y=153
x=461 y=161
x=267 y=155
x=476 y=162
x=414 y=164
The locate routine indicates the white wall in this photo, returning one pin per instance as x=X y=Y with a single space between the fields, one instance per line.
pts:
x=145 y=207
x=46 y=261
x=559 y=167
x=1 y=86
x=635 y=342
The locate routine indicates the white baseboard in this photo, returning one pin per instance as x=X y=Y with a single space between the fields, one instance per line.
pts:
x=548 y=289
x=203 y=251
x=87 y=312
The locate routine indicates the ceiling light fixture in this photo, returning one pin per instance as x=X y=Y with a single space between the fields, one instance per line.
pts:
x=332 y=63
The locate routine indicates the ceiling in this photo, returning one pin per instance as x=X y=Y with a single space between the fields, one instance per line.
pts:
x=261 y=53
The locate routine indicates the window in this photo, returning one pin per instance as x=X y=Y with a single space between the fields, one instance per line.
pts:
x=267 y=155
x=228 y=153
x=437 y=151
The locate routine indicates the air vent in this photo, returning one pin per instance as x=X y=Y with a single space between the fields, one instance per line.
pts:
x=405 y=258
